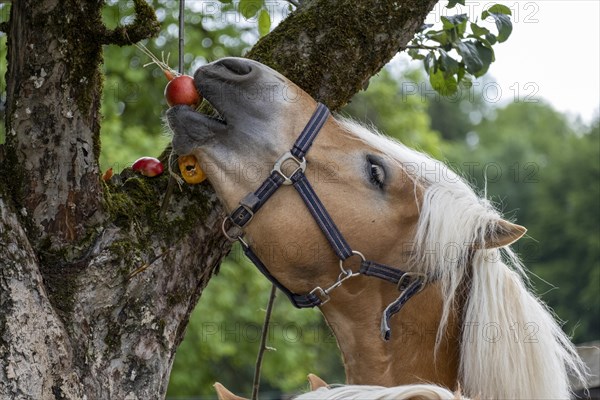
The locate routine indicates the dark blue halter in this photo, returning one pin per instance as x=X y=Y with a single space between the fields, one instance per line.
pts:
x=408 y=283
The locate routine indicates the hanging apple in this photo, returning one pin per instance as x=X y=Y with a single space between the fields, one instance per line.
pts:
x=181 y=90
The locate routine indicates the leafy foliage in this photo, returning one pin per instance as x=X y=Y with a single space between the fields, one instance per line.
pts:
x=256 y=9
x=395 y=110
x=439 y=47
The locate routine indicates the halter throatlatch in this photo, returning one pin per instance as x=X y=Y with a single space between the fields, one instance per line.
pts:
x=408 y=283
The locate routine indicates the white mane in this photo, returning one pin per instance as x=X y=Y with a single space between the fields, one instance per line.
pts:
x=512 y=346
x=356 y=392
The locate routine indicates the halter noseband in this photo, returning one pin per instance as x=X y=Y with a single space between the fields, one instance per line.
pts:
x=408 y=283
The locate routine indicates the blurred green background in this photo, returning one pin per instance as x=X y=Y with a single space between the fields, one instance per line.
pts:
x=541 y=167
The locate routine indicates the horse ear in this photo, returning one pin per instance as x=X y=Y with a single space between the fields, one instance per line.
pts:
x=224 y=394
x=316 y=382
x=503 y=234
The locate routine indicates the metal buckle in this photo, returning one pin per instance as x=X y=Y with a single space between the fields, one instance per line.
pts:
x=249 y=210
x=322 y=295
x=349 y=271
x=402 y=285
x=287 y=157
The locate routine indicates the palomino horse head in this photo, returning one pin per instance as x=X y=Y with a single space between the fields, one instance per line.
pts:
x=474 y=323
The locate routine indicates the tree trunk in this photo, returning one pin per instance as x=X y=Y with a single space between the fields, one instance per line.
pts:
x=97 y=284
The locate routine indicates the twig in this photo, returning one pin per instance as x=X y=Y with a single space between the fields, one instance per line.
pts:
x=422 y=47
x=145 y=25
x=165 y=203
x=145 y=266
x=263 y=343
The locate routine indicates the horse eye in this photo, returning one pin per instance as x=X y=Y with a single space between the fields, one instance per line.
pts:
x=376 y=172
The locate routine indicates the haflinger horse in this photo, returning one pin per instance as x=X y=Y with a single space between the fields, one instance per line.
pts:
x=374 y=229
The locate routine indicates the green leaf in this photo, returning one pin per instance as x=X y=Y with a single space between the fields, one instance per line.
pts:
x=487 y=44
x=491 y=38
x=504 y=26
x=446 y=23
x=445 y=85
x=439 y=36
x=452 y=3
x=476 y=56
x=500 y=14
x=461 y=28
x=479 y=31
x=458 y=19
x=415 y=55
x=429 y=62
x=454 y=21
x=460 y=74
x=264 y=22
x=498 y=9
x=448 y=64
x=249 y=8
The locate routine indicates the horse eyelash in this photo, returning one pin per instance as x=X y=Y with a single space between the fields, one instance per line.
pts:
x=376 y=172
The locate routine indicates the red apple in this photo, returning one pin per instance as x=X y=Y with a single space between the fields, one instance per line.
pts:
x=148 y=166
x=181 y=90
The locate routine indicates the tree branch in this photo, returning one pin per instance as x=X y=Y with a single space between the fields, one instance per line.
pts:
x=334 y=60
x=144 y=26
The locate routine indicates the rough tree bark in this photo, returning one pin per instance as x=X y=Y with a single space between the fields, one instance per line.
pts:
x=96 y=286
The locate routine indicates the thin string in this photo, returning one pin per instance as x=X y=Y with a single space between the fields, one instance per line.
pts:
x=181 y=21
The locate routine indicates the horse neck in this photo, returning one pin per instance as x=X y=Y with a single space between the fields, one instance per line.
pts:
x=411 y=355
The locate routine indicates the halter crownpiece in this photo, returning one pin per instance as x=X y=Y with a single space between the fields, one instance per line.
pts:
x=408 y=283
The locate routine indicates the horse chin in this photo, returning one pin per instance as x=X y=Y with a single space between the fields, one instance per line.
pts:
x=192 y=129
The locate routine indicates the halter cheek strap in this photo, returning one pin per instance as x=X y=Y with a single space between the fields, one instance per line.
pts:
x=408 y=283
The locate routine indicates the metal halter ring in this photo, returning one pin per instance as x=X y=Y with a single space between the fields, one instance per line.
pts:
x=348 y=271
x=227 y=235
x=289 y=157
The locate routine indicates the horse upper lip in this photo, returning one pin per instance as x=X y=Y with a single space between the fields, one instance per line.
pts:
x=218 y=80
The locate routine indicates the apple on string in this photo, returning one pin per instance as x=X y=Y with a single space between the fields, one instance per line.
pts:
x=180 y=90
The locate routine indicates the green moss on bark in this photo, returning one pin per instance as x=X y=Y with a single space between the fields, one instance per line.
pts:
x=134 y=202
x=361 y=35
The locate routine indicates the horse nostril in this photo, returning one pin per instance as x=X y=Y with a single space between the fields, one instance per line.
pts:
x=237 y=66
